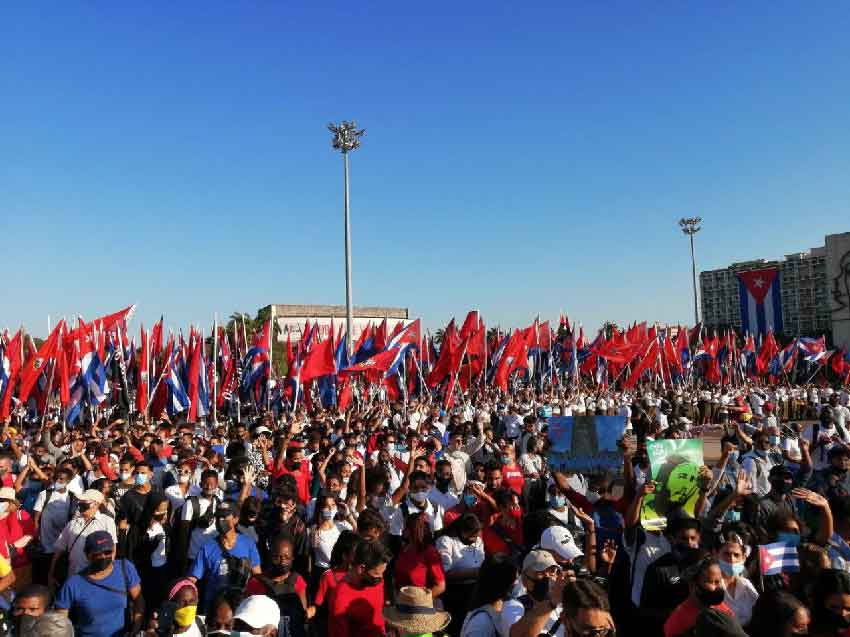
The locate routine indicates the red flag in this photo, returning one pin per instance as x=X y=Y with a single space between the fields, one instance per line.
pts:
x=319 y=361
x=514 y=357
x=38 y=363
x=14 y=353
x=649 y=359
x=62 y=369
x=470 y=325
x=380 y=341
x=344 y=399
x=194 y=377
x=142 y=372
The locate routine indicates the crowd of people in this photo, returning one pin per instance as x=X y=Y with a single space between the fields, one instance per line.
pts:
x=402 y=519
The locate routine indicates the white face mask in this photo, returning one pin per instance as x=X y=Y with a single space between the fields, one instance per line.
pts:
x=183 y=479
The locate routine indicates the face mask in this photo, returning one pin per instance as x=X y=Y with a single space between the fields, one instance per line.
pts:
x=733 y=516
x=173 y=457
x=4 y=506
x=469 y=500
x=182 y=479
x=836 y=620
x=442 y=483
x=208 y=493
x=125 y=475
x=222 y=526
x=100 y=564
x=159 y=517
x=505 y=460
x=369 y=580
x=141 y=479
x=345 y=479
x=276 y=570
x=791 y=538
x=685 y=553
x=390 y=447
x=730 y=569
x=780 y=486
x=592 y=497
x=774 y=440
x=710 y=598
x=328 y=514
x=557 y=501
x=419 y=497
x=733 y=455
x=540 y=590
x=60 y=486
x=185 y=616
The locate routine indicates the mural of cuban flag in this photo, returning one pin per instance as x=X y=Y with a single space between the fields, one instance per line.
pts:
x=761 y=300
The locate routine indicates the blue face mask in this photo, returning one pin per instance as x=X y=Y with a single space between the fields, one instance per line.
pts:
x=557 y=501
x=141 y=479
x=733 y=516
x=469 y=500
x=791 y=538
x=774 y=440
x=505 y=460
x=730 y=569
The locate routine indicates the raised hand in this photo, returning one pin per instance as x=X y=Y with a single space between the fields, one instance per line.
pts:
x=815 y=499
x=609 y=552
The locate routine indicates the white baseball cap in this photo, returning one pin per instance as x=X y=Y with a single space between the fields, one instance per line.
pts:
x=258 y=611
x=560 y=542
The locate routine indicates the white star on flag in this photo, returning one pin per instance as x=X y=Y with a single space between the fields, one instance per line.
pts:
x=758 y=283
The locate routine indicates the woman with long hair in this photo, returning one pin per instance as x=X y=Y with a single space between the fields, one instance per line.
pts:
x=495 y=582
x=779 y=614
x=418 y=563
x=151 y=558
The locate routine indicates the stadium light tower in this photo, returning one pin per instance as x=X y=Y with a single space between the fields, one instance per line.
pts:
x=690 y=226
x=346 y=137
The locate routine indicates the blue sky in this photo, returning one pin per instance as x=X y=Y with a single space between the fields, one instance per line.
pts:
x=519 y=158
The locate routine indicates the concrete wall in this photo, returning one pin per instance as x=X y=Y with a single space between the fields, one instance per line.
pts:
x=838 y=286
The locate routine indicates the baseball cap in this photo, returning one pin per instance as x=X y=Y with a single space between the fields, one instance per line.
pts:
x=91 y=495
x=227 y=508
x=559 y=541
x=262 y=429
x=258 y=611
x=98 y=542
x=538 y=560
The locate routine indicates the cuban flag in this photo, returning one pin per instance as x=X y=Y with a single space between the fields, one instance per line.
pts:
x=178 y=398
x=777 y=558
x=761 y=300
x=93 y=372
x=813 y=349
x=5 y=368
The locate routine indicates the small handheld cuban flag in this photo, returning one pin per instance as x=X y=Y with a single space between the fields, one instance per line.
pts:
x=777 y=558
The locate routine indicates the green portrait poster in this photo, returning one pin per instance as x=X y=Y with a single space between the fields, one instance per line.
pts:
x=674 y=466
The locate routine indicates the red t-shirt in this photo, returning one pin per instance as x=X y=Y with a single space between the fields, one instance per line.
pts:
x=301 y=475
x=356 y=612
x=493 y=542
x=684 y=618
x=256 y=587
x=327 y=585
x=419 y=568
x=512 y=478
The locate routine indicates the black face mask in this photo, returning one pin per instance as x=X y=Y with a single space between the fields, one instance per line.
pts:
x=276 y=570
x=540 y=590
x=781 y=486
x=369 y=580
x=442 y=483
x=710 y=598
x=686 y=554
x=222 y=526
x=99 y=564
x=833 y=620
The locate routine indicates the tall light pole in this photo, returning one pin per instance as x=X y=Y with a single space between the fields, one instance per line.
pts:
x=346 y=137
x=690 y=226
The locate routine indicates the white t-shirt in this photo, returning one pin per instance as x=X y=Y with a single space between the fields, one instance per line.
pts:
x=456 y=555
x=55 y=514
x=175 y=495
x=743 y=601
x=513 y=611
x=323 y=540
x=642 y=555
x=73 y=539
x=158 y=557
x=432 y=511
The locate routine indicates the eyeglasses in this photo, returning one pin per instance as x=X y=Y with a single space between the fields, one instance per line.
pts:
x=594 y=632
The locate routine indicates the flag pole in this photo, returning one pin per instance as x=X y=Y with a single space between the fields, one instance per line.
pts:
x=271 y=361
x=215 y=368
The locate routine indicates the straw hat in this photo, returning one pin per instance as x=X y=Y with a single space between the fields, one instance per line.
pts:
x=414 y=612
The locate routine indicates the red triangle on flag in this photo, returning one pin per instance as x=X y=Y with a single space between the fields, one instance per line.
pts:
x=758 y=282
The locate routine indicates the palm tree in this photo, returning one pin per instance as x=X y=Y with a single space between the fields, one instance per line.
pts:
x=438 y=336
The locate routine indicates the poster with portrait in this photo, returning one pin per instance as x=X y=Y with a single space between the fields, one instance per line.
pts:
x=586 y=444
x=674 y=466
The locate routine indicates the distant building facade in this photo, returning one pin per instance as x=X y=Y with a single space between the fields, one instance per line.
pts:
x=292 y=318
x=814 y=285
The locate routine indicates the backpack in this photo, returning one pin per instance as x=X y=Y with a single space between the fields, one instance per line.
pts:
x=198 y=520
x=238 y=569
x=292 y=615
